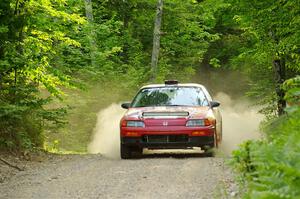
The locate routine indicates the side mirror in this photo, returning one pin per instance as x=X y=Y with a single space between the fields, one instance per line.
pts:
x=214 y=104
x=126 y=105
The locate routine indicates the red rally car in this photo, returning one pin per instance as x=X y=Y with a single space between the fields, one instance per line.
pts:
x=170 y=116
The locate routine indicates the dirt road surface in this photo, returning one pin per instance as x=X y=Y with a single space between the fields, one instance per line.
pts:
x=94 y=176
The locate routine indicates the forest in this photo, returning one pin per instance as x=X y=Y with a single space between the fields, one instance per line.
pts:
x=53 y=52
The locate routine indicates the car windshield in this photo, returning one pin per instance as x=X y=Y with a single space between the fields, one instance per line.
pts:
x=170 y=96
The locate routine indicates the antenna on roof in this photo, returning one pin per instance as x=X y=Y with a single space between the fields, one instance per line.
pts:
x=171 y=82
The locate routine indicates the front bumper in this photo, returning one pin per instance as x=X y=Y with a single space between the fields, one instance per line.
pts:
x=168 y=137
x=141 y=142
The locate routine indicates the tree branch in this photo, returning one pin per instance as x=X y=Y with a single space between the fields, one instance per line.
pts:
x=11 y=165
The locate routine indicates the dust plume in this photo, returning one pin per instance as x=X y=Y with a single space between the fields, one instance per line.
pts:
x=106 y=138
x=240 y=122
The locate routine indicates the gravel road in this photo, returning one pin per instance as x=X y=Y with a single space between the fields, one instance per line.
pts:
x=94 y=176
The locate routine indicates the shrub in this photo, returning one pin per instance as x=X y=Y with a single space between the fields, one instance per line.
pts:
x=270 y=168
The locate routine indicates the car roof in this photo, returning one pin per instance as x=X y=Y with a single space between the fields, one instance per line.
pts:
x=171 y=85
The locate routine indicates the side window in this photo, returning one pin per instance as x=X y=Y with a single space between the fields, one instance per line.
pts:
x=206 y=94
x=202 y=100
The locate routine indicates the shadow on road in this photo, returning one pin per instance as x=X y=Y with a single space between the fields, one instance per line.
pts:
x=172 y=155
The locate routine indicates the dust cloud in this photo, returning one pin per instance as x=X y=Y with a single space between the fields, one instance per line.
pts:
x=240 y=123
x=106 y=138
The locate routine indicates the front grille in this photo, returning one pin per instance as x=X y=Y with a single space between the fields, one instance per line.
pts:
x=165 y=138
x=165 y=114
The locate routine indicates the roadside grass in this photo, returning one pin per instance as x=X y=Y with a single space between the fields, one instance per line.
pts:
x=82 y=117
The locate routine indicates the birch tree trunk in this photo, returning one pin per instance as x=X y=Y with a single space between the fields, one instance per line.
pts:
x=90 y=18
x=156 y=39
x=89 y=10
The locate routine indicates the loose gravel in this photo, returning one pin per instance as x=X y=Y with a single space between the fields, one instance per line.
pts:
x=94 y=176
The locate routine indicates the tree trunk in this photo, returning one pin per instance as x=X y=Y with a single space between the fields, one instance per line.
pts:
x=90 y=18
x=279 y=69
x=19 y=48
x=156 y=39
x=89 y=10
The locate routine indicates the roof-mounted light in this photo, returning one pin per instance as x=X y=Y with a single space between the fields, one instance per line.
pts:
x=171 y=82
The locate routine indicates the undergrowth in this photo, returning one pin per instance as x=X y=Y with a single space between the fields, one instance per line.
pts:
x=270 y=168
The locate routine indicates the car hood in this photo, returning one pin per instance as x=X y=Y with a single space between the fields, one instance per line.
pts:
x=167 y=112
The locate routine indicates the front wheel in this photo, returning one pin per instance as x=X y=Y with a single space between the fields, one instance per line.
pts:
x=125 y=152
x=209 y=152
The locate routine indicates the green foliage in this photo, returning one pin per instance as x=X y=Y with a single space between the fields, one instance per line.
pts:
x=270 y=167
x=32 y=34
x=269 y=30
x=215 y=62
x=187 y=35
x=253 y=34
x=292 y=88
x=52 y=147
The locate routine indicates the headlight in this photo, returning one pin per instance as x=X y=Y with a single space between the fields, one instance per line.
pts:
x=135 y=124
x=196 y=123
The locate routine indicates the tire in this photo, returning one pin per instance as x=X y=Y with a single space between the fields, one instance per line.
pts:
x=209 y=152
x=216 y=143
x=137 y=152
x=125 y=152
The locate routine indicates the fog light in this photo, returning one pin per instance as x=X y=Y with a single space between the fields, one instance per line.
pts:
x=198 y=133
x=132 y=134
